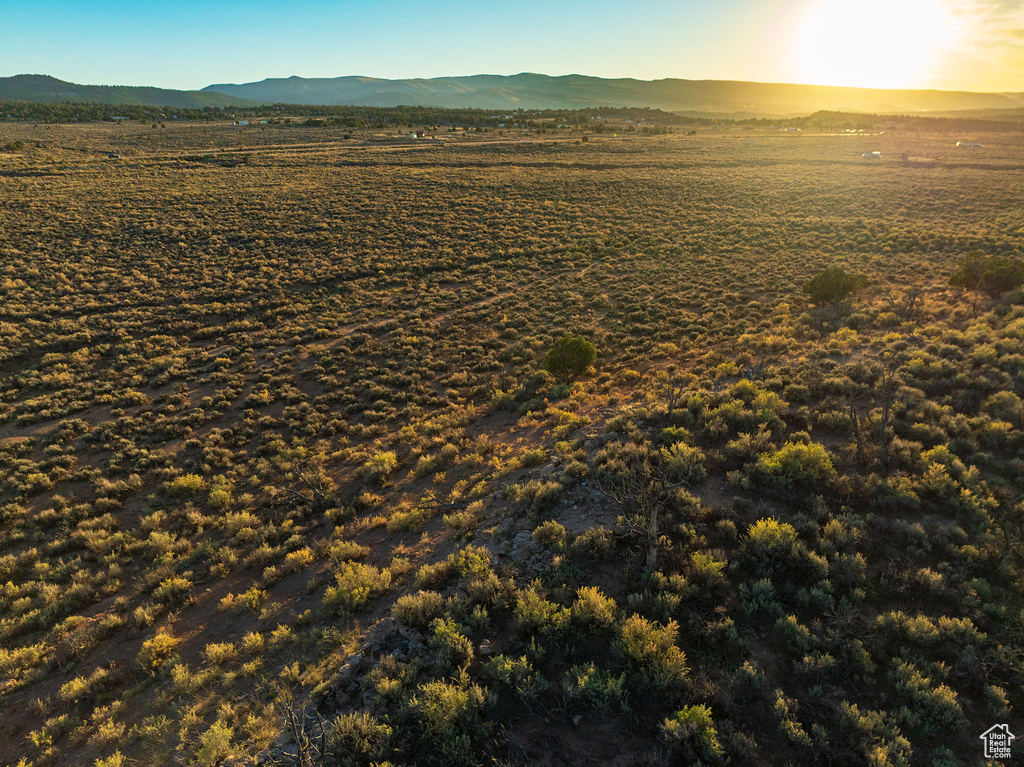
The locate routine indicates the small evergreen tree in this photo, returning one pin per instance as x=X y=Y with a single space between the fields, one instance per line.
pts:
x=993 y=275
x=834 y=286
x=569 y=358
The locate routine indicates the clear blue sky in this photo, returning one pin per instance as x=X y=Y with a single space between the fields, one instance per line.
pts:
x=190 y=44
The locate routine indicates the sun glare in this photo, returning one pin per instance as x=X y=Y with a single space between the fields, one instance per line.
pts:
x=873 y=43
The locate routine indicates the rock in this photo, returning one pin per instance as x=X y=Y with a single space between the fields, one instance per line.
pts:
x=352 y=689
x=485 y=647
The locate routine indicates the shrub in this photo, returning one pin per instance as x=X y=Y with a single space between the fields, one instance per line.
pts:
x=1006 y=406
x=171 y=589
x=215 y=745
x=796 y=464
x=592 y=686
x=551 y=534
x=592 y=608
x=706 y=570
x=187 y=484
x=536 y=615
x=651 y=650
x=593 y=541
x=219 y=653
x=933 y=709
x=569 y=358
x=342 y=550
x=988 y=274
x=380 y=465
x=359 y=736
x=768 y=534
x=219 y=498
x=452 y=649
x=472 y=560
x=539 y=495
x=156 y=651
x=533 y=457
x=518 y=675
x=417 y=609
x=693 y=724
x=358 y=584
x=683 y=463
x=833 y=286
x=874 y=735
x=451 y=718
x=408 y=520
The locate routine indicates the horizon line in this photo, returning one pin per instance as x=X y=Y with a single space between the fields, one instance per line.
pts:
x=518 y=74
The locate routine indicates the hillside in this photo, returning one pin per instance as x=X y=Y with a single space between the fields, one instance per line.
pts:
x=536 y=91
x=46 y=89
x=710 y=98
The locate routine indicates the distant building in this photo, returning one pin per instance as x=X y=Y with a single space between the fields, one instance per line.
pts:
x=963 y=144
x=872 y=155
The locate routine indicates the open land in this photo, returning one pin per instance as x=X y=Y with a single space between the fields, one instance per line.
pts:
x=284 y=479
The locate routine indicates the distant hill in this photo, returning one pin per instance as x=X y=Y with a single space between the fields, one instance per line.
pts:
x=535 y=91
x=49 y=90
x=706 y=98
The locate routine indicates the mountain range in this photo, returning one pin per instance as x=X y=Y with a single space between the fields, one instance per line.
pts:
x=530 y=91
x=49 y=90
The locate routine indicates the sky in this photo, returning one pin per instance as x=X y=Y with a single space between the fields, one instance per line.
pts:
x=188 y=44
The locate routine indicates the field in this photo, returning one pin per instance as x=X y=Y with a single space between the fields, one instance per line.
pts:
x=285 y=479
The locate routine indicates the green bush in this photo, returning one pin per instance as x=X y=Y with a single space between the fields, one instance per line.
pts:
x=769 y=536
x=358 y=584
x=650 y=650
x=683 y=463
x=551 y=534
x=594 y=687
x=156 y=651
x=186 y=484
x=592 y=608
x=451 y=718
x=536 y=615
x=418 y=609
x=796 y=464
x=988 y=274
x=518 y=675
x=569 y=358
x=834 y=285
x=215 y=745
x=693 y=725
x=358 y=738
x=380 y=465
x=931 y=708
x=453 y=650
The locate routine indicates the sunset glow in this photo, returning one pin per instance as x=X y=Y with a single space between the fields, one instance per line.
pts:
x=874 y=43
